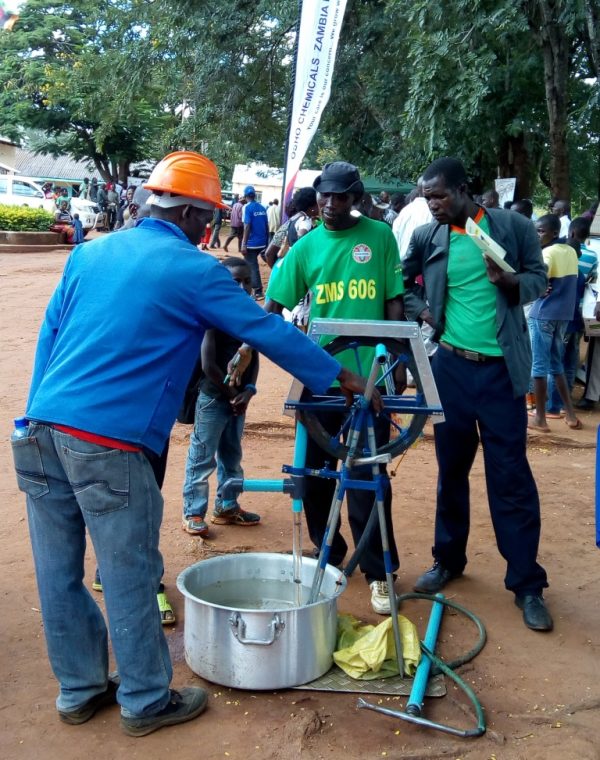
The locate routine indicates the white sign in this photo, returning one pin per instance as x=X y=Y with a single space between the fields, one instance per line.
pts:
x=320 y=26
x=505 y=189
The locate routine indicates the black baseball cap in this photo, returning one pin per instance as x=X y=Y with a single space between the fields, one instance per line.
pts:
x=339 y=177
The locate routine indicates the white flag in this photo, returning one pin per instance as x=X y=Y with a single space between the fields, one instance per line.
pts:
x=320 y=26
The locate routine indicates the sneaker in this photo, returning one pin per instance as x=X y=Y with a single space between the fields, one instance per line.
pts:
x=380 y=599
x=183 y=705
x=530 y=400
x=195 y=526
x=88 y=709
x=97 y=583
x=235 y=516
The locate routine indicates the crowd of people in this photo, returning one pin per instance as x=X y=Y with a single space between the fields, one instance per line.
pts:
x=101 y=405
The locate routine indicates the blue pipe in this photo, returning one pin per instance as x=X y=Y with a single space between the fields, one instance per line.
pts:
x=275 y=486
x=414 y=706
x=299 y=458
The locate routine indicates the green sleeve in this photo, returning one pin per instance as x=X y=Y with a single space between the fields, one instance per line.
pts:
x=394 y=281
x=290 y=285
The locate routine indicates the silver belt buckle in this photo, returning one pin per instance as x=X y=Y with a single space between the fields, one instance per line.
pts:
x=472 y=356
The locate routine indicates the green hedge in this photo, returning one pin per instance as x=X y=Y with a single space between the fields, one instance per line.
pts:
x=24 y=219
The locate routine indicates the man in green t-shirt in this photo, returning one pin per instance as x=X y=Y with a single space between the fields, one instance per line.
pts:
x=350 y=266
x=482 y=370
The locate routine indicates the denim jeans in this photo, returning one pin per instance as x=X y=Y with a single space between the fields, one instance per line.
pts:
x=570 y=363
x=547 y=347
x=251 y=257
x=216 y=441
x=72 y=485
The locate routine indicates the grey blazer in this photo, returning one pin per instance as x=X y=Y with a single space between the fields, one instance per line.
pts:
x=428 y=256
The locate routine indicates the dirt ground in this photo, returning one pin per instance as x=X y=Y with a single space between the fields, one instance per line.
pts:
x=541 y=692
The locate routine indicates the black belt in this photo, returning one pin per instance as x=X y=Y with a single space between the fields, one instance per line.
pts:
x=472 y=356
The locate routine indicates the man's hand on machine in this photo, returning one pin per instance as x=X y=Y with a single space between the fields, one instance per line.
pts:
x=351 y=383
x=238 y=365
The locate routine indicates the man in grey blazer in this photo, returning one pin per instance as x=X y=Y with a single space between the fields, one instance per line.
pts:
x=482 y=371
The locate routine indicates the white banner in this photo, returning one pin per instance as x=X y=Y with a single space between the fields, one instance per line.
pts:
x=320 y=26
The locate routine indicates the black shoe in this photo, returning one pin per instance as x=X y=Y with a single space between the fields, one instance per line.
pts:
x=585 y=403
x=90 y=708
x=535 y=612
x=183 y=705
x=434 y=579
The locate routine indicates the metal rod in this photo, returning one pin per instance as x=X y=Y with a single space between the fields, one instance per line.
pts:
x=363 y=704
x=387 y=560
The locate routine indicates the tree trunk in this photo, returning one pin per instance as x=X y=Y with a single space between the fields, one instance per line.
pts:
x=518 y=159
x=551 y=34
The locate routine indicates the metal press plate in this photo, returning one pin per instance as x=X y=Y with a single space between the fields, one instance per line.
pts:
x=336 y=680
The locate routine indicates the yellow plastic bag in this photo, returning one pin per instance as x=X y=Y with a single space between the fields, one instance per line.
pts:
x=367 y=651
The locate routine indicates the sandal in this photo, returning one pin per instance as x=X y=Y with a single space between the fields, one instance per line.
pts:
x=167 y=616
x=577 y=425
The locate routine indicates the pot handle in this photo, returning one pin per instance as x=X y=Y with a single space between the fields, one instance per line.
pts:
x=238 y=624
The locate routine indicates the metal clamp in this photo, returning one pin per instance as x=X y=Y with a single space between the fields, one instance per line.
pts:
x=238 y=625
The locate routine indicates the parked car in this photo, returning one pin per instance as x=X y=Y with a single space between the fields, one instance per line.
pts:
x=89 y=212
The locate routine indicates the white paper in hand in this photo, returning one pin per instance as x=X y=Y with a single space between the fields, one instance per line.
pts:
x=488 y=246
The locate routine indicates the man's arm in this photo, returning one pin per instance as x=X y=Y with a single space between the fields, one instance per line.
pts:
x=412 y=267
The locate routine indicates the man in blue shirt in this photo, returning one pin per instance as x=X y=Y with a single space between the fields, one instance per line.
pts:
x=256 y=238
x=116 y=349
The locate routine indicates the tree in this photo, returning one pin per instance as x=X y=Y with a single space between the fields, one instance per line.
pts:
x=58 y=69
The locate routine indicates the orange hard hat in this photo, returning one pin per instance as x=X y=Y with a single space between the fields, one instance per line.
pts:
x=189 y=174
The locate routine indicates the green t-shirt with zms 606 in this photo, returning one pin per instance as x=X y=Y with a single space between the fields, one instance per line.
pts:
x=470 y=297
x=349 y=273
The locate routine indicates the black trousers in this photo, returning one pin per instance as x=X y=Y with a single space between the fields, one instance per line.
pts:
x=479 y=405
x=319 y=495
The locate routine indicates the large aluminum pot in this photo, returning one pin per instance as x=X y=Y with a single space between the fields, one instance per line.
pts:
x=239 y=629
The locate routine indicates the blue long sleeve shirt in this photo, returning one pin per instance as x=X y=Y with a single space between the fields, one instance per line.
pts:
x=123 y=329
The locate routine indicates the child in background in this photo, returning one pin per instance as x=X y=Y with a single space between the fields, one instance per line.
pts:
x=218 y=425
x=78 y=235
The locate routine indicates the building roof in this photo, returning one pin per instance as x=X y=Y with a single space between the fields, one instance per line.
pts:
x=44 y=166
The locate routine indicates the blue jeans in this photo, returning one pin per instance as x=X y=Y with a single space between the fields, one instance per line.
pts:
x=216 y=442
x=251 y=257
x=547 y=346
x=72 y=485
x=570 y=363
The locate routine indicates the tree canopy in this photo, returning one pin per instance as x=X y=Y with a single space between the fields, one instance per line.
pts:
x=509 y=87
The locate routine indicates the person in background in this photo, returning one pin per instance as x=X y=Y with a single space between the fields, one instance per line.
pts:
x=255 y=238
x=102 y=197
x=395 y=207
x=273 y=218
x=98 y=401
x=79 y=234
x=482 y=369
x=413 y=215
x=560 y=208
x=490 y=199
x=523 y=207
x=591 y=212
x=93 y=190
x=236 y=223
x=84 y=188
x=112 y=204
x=63 y=223
x=548 y=320
x=217 y=222
x=587 y=265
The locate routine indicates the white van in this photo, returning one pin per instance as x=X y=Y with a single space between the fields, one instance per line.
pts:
x=21 y=191
x=25 y=191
